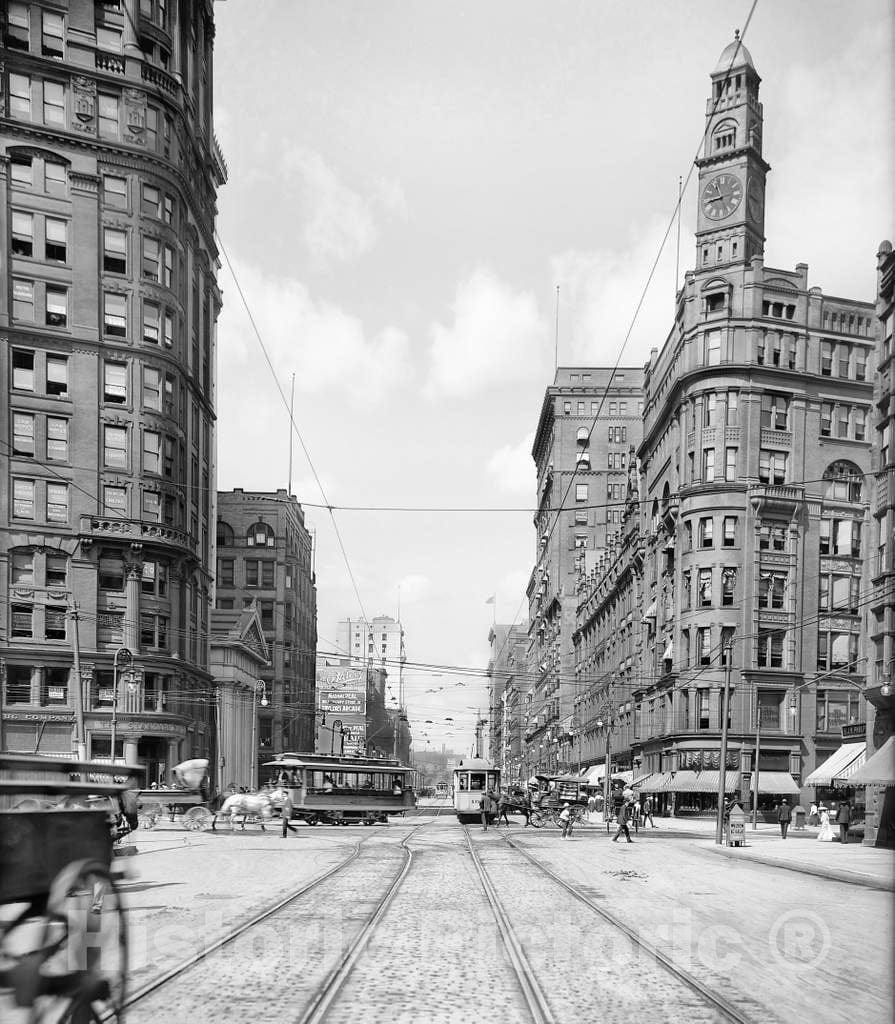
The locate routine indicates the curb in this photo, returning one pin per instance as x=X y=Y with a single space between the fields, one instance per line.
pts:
x=833 y=874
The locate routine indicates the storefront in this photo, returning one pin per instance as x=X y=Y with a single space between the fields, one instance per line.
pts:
x=832 y=780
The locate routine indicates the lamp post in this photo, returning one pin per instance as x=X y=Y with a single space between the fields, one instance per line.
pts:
x=725 y=715
x=259 y=687
x=126 y=659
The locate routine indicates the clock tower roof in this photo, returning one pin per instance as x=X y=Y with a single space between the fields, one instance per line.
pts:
x=735 y=52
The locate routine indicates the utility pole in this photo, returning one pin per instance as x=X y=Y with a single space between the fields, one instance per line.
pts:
x=80 y=739
x=722 y=774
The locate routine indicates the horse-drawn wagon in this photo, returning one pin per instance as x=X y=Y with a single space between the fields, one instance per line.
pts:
x=551 y=792
x=188 y=797
x=63 y=935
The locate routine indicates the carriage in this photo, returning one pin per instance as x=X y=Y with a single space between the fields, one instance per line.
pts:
x=336 y=790
x=188 y=797
x=63 y=935
x=551 y=792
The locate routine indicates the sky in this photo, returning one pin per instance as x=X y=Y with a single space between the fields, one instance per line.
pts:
x=410 y=182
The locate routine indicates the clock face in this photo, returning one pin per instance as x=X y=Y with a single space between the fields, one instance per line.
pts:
x=721 y=196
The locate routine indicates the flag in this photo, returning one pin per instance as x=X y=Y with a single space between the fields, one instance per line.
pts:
x=491 y=599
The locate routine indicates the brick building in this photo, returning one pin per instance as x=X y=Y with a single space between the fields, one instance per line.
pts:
x=108 y=177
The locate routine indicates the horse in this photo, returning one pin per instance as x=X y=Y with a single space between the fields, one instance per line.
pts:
x=258 y=804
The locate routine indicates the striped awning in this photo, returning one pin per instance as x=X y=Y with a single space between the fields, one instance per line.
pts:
x=776 y=784
x=684 y=782
x=595 y=775
x=879 y=769
x=708 y=781
x=840 y=765
x=657 y=783
x=638 y=782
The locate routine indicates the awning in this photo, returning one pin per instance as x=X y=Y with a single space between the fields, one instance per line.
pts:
x=708 y=781
x=650 y=613
x=879 y=769
x=684 y=782
x=669 y=651
x=595 y=775
x=657 y=783
x=640 y=779
x=776 y=784
x=626 y=777
x=847 y=759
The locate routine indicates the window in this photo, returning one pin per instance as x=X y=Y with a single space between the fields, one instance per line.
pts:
x=169 y=209
x=730 y=464
x=580 y=492
x=772 y=589
x=685 y=590
x=152 y=201
x=18 y=34
x=150 y=323
x=688 y=536
x=152 y=388
x=840 y=593
x=55 y=688
x=251 y=572
x=57 y=375
x=22 y=499
x=713 y=338
x=836 y=708
x=567 y=408
x=826 y=358
x=115 y=315
x=115 y=446
x=56 y=240
x=685 y=650
x=774 y=412
x=772 y=536
x=708 y=465
x=225 y=572
x=108 y=39
x=107 y=112
x=168 y=323
x=115 y=383
x=110 y=574
x=842 y=352
x=859 y=418
x=114 y=251
x=265 y=608
x=23 y=435
x=837 y=649
x=168 y=279
x=20 y=96
x=22 y=621
x=704 y=645
x=57 y=503
x=115 y=501
x=152 y=451
x=168 y=464
x=770 y=648
x=580 y=408
x=705 y=588
x=702 y=708
x=51 y=38
x=151 y=505
x=728 y=586
x=772 y=467
x=23 y=301
x=115 y=191
x=860 y=363
x=20 y=170
x=709 y=409
x=729 y=534
x=843 y=481
x=826 y=419
x=57 y=439
x=267 y=573
x=151 y=260
x=153 y=631
x=22 y=233
x=705 y=532
x=842 y=420
x=57 y=306
x=54 y=104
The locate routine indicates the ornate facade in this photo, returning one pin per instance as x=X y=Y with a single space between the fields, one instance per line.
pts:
x=109 y=171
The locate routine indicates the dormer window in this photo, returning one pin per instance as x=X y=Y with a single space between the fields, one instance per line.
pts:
x=724 y=136
x=260 y=535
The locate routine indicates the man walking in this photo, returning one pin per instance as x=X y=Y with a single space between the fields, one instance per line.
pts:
x=624 y=812
x=843 y=818
x=784 y=816
x=647 y=811
x=486 y=810
x=503 y=803
x=286 y=814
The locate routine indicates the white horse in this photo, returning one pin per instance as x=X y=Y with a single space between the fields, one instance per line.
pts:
x=259 y=805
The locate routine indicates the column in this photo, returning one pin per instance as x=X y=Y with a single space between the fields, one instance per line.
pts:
x=715 y=708
x=133 y=575
x=130 y=749
x=692 y=708
x=173 y=754
x=131 y=44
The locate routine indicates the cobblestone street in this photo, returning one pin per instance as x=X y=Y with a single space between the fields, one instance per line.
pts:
x=770 y=940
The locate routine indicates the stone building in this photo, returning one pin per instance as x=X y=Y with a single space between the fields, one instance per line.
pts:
x=265 y=555
x=381 y=639
x=754 y=513
x=507 y=681
x=109 y=171
x=588 y=420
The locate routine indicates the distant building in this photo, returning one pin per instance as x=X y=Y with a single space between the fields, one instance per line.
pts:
x=265 y=558
x=110 y=172
x=381 y=640
x=589 y=420
x=507 y=675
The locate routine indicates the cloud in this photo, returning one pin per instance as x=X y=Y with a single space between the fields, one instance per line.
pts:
x=497 y=336
x=339 y=223
x=512 y=468
x=599 y=292
x=325 y=346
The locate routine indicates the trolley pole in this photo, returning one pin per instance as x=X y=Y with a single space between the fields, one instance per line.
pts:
x=607 y=781
x=80 y=738
x=722 y=774
x=126 y=658
x=755 y=771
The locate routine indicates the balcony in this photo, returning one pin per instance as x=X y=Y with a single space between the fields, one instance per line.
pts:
x=109 y=62
x=134 y=531
x=778 y=498
x=161 y=79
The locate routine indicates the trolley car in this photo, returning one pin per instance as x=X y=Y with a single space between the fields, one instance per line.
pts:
x=343 y=790
x=471 y=780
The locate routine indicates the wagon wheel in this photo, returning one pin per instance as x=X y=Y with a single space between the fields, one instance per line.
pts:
x=196 y=819
x=537 y=819
x=85 y=939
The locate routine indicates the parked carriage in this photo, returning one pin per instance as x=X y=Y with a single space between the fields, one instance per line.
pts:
x=343 y=790
x=471 y=780
x=63 y=937
x=549 y=795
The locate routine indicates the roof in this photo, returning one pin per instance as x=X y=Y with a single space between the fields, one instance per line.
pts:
x=847 y=759
x=734 y=55
x=879 y=768
x=239 y=626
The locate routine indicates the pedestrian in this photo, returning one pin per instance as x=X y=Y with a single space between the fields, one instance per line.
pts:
x=784 y=816
x=286 y=813
x=486 y=809
x=813 y=818
x=825 y=835
x=565 y=816
x=502 y=806
x=624 y=812
x=843 y=818
x=526 y=808
x=647 y=811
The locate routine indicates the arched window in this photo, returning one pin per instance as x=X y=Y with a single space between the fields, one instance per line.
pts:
x=583 y=435
x=724 y=136
x=843 y=481
x=225 y=535
x=260 y=535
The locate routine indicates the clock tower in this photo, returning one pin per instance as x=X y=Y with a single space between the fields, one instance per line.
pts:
x=730 y=222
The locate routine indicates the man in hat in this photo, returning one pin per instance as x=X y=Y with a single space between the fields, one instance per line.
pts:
x=784 y=816
x=624 y=812
x=565 y=816
x=843 y=819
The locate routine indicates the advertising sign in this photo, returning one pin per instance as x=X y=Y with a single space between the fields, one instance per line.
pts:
x=340 y=702
x=355 y=738
x=335 y=677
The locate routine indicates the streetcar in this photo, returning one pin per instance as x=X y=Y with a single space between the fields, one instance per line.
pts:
x=335 y=790
x=441 y=791
x=471 y=780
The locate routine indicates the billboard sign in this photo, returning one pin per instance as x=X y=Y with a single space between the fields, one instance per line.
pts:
x=340 y=702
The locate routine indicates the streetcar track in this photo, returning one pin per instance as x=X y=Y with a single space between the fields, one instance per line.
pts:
x=535 y=998
x=719 y=1002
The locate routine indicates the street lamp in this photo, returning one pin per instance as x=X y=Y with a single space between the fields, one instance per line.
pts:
x=259 y=687
x=126 y=659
